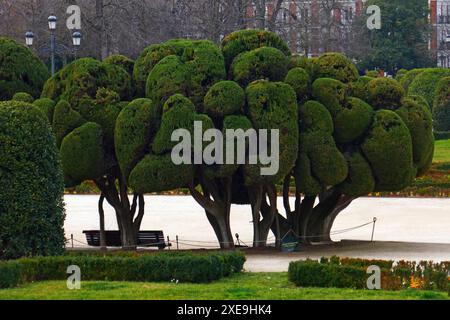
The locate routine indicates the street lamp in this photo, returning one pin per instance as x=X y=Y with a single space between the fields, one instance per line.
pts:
x=55 y=48
x=76 y=40
x=52 y=22
x=29 y=38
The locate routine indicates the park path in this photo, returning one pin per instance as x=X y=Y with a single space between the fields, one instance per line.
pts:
x=279 y=262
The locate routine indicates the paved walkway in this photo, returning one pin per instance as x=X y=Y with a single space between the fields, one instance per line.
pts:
x=279 y=262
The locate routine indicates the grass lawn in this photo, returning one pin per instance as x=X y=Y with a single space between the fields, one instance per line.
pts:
x=245 y=286
x=442 y=152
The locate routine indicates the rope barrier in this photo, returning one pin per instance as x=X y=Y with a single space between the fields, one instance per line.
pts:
x=217 y=244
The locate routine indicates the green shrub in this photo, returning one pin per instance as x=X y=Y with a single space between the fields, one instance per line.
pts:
x=441 y=135
x=47 y=106
x=196 y=66
x=419 y=121
x=136 y=126
x=425 y=83
x=65 y=120
x=225 y=98
x=441 y=106
x=300 y=81
x=319 y=163
x=31 y=205
x=352 y=121
x=274 y=105
x=79 y=82
x=392 y=167
x=20 y=70
x=262 y=63
x=247 y=40
x=385 y=93
x=409 y=77
x=82 y=154
x=297 y=61
x=121 y=61
x=360 y=181
x=336 y=66
x=331 y=93
x=359 y=88
x=162 y=267
x=23 y=97
x=314 y=274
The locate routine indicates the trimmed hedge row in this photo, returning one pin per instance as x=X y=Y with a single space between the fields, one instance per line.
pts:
x=352 y=273
x=184 y=267
x=441 y=135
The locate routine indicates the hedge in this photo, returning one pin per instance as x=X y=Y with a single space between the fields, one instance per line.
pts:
x=352 y=273
x=441 y=135
x=184 y=267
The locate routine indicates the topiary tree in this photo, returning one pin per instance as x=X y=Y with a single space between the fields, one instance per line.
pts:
x=31 y=196
x=20 y=69
x=89 y=97
x=441 y=105
x=23 y=97
x=351 y=146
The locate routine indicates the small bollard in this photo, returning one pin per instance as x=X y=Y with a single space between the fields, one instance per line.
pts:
x=71 y=239
x=168 y=242
x=178 y=248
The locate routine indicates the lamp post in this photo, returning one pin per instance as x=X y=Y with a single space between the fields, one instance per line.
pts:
x=29 y=38
x=52 y=26
x=54 y=47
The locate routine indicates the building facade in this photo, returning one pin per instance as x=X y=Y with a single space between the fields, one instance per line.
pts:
x=440 y=23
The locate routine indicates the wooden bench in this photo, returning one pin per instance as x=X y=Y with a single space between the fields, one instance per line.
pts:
x=145 y=239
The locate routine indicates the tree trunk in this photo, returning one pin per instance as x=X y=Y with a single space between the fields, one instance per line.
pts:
x=216 y=200
x=102 y=222
x=128 y=222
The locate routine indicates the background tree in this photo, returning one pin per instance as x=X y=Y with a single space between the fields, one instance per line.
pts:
x=402 y=41
x=31 y=198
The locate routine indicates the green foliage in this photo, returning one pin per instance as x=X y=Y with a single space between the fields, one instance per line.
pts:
x=179 y=113
x=136 y=126
x=336 y=66
x=273 y=105
x=196 y=66
x=441 y=106
x=420 y=100
x=247 y=40
x=409 y=77
x=419 y=121
x=425 y=83
x=401 y=42
x=441 y=135
x=358 y=88
x=121 y=61
x=23 y=97
x=360 y=180
x=385 y=93
x=148 y=59
x=309 y=64
x=389 y=150
x=326 y=275
x=262 y=63
x=20 y=70
x=162 y=267
x=47 y=106
x=79 y=82
x=400 y=74
x=320 y=163
x=157 y=173
x=31 y=204
x=65 y=120
x=83 y=155
x=223 y=99
x=353 y=121
x=300 y=81
x=331 y=93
